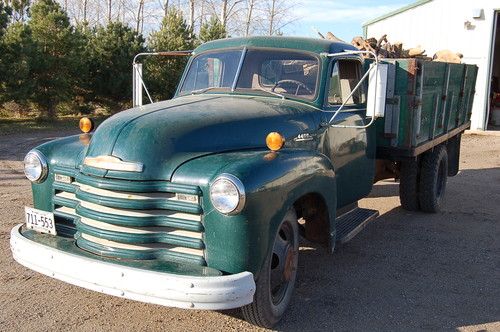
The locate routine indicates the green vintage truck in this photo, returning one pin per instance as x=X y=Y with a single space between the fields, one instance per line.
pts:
x=199 y=202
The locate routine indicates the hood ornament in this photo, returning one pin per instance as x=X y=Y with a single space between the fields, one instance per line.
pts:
x=112 y=163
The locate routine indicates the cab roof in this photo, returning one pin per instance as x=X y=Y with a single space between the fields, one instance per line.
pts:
x=314 y=45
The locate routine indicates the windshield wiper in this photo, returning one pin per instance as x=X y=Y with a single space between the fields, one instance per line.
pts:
x=199 y=91
x=271 y=92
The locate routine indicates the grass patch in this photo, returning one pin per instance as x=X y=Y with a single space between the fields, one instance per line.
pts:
x=9 y=126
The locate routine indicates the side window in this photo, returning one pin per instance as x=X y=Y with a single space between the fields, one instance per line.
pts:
x=214 y=71
x=293 y=76
x=345 y=76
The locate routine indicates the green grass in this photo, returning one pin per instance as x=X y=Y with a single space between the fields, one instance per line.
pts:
x=9 y=126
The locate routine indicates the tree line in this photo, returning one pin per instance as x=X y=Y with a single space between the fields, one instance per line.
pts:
x=239 y=17
x=76 y=54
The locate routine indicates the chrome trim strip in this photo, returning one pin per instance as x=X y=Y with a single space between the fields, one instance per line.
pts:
x=140 y=213
x=140 y=230
x=113 y=164
x=124 y=194
x=65 y=209
x=142 y=247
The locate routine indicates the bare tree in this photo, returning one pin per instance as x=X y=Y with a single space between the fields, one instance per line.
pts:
x=272 y=17
x=277 y=14
x=110 y=6
x=97 y=12
x=239 y=17
x=142 y=18
x=85 y=3
x=121 y=11
x=140 y=11
x=165 y=7
x=191 y=13
x=225 y=10
x=250 y=9
x=202 y=12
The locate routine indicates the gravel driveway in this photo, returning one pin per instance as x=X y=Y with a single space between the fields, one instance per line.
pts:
x=405 y=271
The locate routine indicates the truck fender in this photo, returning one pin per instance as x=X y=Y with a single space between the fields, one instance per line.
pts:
x=273 y=182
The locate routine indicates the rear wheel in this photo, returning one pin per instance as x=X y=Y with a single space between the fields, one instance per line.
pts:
x=276 y=280
x=408 y=185
x=433 y=176
x=453 y=151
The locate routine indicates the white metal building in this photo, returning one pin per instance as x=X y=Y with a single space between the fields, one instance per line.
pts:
x=470 y=27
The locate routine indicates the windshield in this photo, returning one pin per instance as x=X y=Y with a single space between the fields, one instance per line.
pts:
x=277 y=72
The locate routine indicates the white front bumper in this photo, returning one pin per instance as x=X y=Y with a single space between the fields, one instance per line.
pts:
x=214 y=293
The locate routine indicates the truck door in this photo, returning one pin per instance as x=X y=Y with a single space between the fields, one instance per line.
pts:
x=351 y=150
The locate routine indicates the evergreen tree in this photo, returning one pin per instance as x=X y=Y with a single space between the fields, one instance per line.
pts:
x=109 y=54
x=211 y=30
x=162 y=74
x=17 y=56
x=20 y=9
x=54 y=65
x=5 y=15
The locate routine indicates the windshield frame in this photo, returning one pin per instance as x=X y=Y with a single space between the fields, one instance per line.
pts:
x=234 y=90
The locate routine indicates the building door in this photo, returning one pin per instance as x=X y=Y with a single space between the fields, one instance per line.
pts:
x=493 y=115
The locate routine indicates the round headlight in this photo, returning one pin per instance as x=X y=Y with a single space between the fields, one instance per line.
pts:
x=35 y=166
x=227 y=194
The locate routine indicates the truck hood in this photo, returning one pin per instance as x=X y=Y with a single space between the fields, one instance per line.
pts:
x=164 y=135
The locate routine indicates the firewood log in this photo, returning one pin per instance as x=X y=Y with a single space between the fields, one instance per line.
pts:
x=416 y=51
x=447 y=56
x=331 y=36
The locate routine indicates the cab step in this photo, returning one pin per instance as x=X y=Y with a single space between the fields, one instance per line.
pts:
x=351 y=223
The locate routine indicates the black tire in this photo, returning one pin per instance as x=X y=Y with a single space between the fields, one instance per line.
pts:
x=408 y=185
x=433 y=176
x=453 y=150
x=271 y=300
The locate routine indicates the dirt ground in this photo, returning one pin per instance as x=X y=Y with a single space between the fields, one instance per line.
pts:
x=405 y=271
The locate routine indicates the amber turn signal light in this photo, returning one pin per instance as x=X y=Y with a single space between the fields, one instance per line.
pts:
x=86 y=125
x=275 y=141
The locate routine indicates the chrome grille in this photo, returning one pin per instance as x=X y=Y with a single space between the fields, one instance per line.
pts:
x=132 y=219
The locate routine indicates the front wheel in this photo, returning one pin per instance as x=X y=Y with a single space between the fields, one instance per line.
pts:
x=276 y=280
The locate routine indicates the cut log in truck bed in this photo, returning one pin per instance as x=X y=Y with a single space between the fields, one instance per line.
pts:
x=427 y=103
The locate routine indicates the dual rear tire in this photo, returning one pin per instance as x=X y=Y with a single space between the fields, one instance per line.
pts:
x=423 y=181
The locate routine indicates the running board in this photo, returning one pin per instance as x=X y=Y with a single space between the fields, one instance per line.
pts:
x=351 y=223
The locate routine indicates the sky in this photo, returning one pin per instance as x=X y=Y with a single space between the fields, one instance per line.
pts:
x=343 y=18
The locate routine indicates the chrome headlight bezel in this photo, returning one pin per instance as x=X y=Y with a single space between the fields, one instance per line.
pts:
x=42 y=163
x=237 y=187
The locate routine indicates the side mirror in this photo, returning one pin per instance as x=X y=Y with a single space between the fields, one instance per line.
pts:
x=377 y=90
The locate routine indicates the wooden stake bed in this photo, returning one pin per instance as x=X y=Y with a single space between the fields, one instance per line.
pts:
x=427 y=103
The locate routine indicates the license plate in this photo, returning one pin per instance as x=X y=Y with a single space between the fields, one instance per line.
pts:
x=40 y=221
